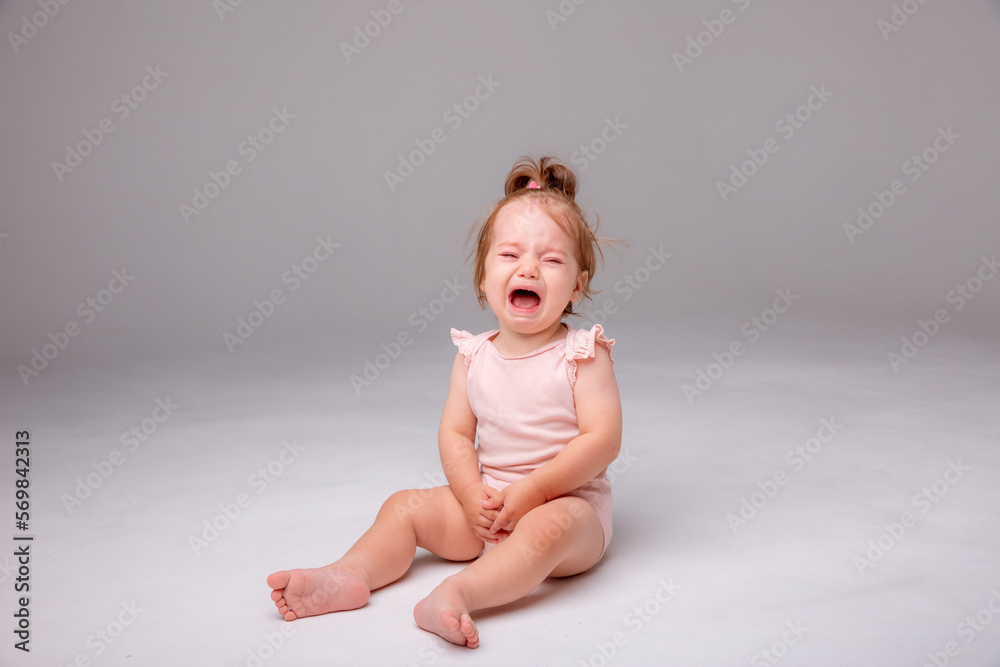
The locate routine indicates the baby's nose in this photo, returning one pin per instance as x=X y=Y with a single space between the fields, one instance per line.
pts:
x=529 y=267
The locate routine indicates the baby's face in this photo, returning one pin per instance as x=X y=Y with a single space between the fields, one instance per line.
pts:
x=531 y=269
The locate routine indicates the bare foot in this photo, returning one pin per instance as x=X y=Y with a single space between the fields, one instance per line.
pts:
x=446 y=613
x=321 y=590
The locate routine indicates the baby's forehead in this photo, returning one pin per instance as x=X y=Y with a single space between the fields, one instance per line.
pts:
x=534 y=218
x=529 y=207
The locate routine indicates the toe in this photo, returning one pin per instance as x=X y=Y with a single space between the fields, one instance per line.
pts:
x=277 y=579
x=449 y=621
x=468 y=628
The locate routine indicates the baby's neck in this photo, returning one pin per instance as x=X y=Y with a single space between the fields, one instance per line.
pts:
x=514 y=344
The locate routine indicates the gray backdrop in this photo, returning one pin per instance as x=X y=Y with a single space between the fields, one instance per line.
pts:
x=739 y=138
x=603 y=85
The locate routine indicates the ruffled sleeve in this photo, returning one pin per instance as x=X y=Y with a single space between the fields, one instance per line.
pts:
x=465 y=343
x=583 y=347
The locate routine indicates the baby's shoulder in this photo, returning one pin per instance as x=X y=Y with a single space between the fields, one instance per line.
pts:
x=468 y=343
x=584 y=343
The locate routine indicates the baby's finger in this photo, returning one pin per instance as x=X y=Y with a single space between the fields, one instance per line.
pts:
x=500 y=523
x=495 y=501
x=485 y=536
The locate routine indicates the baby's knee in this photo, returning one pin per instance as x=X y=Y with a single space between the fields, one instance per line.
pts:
x=552 y=522
x=403 y=505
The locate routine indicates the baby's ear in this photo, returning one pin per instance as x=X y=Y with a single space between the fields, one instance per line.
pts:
x=581 y=283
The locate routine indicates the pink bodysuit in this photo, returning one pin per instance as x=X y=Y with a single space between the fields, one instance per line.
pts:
x=525 y=409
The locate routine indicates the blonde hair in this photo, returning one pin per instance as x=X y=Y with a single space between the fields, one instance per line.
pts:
x=555 y=193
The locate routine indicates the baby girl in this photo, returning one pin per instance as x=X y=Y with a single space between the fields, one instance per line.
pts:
x=531 y=422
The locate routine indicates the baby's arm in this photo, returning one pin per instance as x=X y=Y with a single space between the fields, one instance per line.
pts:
x=457 y=446
x=599 y=415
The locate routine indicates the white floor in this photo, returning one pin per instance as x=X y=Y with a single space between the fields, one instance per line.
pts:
x=116 y=581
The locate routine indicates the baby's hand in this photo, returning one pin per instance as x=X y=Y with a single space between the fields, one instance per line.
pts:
x=480 y=519
x=514 y=502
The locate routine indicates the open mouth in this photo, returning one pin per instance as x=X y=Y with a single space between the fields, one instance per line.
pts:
x=524 y=300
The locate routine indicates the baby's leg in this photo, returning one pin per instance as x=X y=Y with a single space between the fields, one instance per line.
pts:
x=428 y=518
x=560 y=538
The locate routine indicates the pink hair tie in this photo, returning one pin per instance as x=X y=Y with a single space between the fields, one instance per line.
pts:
x=533 y=186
